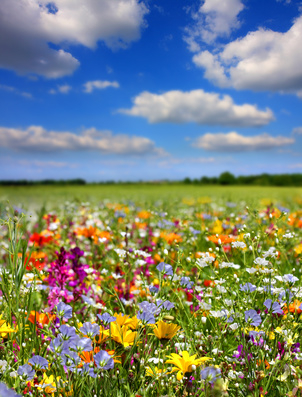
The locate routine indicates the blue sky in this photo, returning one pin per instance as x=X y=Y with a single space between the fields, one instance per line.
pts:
x=144 y=90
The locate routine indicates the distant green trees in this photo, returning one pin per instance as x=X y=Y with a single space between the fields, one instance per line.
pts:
x=226 y=178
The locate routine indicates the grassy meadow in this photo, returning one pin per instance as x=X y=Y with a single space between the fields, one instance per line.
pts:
x=150 y=291
x=35 y=196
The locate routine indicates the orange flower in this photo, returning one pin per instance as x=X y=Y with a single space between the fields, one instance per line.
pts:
x=293 y=307
x=144 y=215
x=223 y=238
x=41 y=318
x=37 y=260
x=208 y=283
x=93 y=233
x=40 y=239
x=171 y=237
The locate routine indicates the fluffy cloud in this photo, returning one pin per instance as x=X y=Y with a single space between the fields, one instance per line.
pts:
x=234 y=142
x=37 y=139
x=262 y=60
x=27 y=26
x=99 y=85
x=297 y=130
x=197 y=106
x=215 y=18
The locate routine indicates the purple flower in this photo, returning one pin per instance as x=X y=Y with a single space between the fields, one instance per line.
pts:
x=165 y=304
x=91 y=330
x=38 y=362
x=58 y=345
x=275 y=307
x=5 y=392
x=71 y=360
x=186 y=282
x=210 y=374
x=146 y=318
x=67 y=332
x=248 y=287
x=152 y=308
x=252 y=317
x=240 y=352
x=103 y=360
x=153 y=289
x=26 y=372
x=286 y=295
x=165 y=268
x=106 y=318
x=290 y=278
x=80 y=344
x=64 y=310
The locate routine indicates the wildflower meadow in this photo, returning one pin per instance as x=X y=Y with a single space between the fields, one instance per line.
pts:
x=123 y=298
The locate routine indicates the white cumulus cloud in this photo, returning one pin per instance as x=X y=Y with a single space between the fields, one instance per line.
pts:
x=37 y=139
x=90 y=86
x=234 y=142
x=215 y=18
x=297 y=130
x=28 y=26
x=199 y=107
x=262 y=60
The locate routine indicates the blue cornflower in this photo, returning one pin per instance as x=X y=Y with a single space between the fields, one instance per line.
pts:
x=81 y=344
x=26 y=372
x=248 y=287
x=153 y=289
x=290 y=278
x=67 y=332
x=106 y=318
x=165 y=304
x=58 y=345
x=38 y=362
x=90 y=369
x=286 y=295
x=103 y=360
x=146 y=317
x=71 y=360
x=186 y=282
x=5 y=392
x=91 y=330
x=253 y=317
x=146 y=306
x=210 y=374
x=275 y=307
x=64 y=310
x=165 y=268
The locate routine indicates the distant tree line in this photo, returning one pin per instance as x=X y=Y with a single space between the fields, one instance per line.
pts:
x=226 y=178
x=25 y=182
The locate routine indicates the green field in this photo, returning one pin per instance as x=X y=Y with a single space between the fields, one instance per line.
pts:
x=34 y=196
